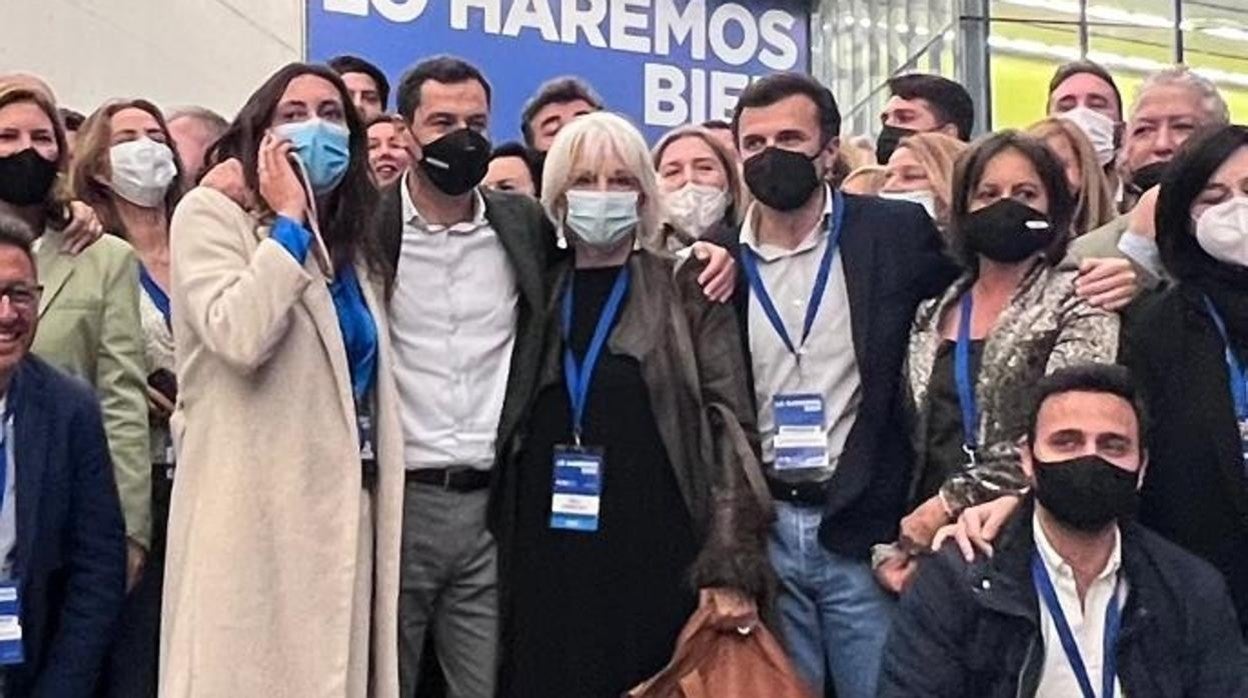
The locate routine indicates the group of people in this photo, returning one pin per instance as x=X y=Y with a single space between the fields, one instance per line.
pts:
x=325 y=399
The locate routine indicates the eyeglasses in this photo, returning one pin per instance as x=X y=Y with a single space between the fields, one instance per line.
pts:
x=22 y=297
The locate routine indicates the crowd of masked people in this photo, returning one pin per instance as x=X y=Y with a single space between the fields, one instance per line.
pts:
x=325 y=399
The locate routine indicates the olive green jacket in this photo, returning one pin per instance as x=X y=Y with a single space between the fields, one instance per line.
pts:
x=89 y=327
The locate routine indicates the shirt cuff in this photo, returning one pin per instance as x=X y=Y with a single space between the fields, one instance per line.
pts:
x=294 y=237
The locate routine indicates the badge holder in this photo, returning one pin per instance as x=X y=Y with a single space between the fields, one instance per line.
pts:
x=801 y=441
x=576 y=493
x=11 y=651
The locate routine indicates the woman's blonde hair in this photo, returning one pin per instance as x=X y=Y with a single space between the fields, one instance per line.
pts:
x=584 y=145
x=736 y=190
x=1094 y=207
x=937 y=154
x=867 y=180
x=91 y=168
x=17 y=88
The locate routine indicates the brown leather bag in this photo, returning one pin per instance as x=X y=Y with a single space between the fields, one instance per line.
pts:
x=712 y=663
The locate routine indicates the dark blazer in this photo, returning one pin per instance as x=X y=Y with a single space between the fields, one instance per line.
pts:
x=1195 y=492
x=529 y=239
x=71 y=539
x=893 y=258
x=974 y=629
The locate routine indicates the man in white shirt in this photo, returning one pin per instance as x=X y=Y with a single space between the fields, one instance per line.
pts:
x=1079 y=600
x=465 y=306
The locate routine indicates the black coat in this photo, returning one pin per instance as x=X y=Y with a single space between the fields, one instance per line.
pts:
x=1195 y=491
x=893 y=258
x=71 y=549
x=974 y=629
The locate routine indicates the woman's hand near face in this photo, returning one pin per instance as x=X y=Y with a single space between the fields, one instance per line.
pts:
x=279 y=185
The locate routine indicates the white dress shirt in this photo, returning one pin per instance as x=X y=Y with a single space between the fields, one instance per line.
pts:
x=1086 y=620
x=829 y=366
x=453 y=326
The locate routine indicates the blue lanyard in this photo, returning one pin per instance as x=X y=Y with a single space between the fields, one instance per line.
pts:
x=962 y=376
x=159 y=298
x=1239 y=382
x=749 y=261
x=578 y=376
x=1113 y=624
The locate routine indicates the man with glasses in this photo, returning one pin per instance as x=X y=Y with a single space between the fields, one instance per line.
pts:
x=62 y=538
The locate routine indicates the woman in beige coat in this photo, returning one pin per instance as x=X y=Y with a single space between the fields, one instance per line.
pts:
x=282 y=573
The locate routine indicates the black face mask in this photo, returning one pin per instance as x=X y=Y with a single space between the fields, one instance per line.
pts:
x=1148 y=176
x=26 y=177
x=1008 y=231
x=1086 y=493
x=457 y=162
x=781 y=179
x=888 y=140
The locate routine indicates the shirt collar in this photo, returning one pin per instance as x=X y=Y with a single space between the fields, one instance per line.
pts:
x=769 y=253
x=413 y=217
x=1056 y=565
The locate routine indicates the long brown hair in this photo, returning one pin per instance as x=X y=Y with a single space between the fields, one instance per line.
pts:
x=91 y=169
x=346 y=218
x=14 y=89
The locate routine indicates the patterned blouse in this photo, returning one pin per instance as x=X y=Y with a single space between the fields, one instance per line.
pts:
x=1045 y=327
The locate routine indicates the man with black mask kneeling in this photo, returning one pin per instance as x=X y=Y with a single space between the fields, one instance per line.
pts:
x=1079 y=599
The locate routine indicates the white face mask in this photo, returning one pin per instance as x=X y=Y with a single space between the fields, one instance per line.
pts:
x=923 y=197
x=696 y=208
x=1098 y=128
x=142 y=171
x=601 y=218
x=1222 y=231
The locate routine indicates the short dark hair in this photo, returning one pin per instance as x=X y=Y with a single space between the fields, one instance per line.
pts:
x=950 y=102
x=510 y=149
x=559 y=90
x=1109 y=379
x=354 y=64
x=1084 y=67
x=970 y=169
x=717 y=125
x=72 y=119
x=778 y=86
x=445 y=69
x=15 y=233
x=1184 y=179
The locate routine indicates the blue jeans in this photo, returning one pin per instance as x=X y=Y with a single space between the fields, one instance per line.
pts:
x=833 y=615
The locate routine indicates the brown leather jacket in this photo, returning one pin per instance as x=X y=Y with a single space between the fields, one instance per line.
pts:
x=695 y=374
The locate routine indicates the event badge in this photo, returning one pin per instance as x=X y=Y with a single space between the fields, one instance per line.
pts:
x=577 y=490
x=800 y=440
x=10 y=624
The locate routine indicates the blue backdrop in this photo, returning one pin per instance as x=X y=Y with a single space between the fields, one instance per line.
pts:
x=663 y=63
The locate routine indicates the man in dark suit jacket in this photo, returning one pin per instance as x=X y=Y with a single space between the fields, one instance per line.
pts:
x=466 y=306
x=830 y=288
x=62 y=538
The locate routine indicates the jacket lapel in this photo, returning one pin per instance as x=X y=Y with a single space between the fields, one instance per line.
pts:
x=858 y=260
x=30 y=448
x=320 y=306
x=54 y=267
x=523 y=261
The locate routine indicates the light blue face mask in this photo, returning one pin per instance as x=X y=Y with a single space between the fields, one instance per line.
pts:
x=602 y=218
x=323 y=148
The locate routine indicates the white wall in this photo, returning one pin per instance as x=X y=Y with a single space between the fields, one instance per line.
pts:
x=174 y=52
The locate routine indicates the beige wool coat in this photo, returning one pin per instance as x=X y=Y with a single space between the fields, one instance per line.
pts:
x=282 y=577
